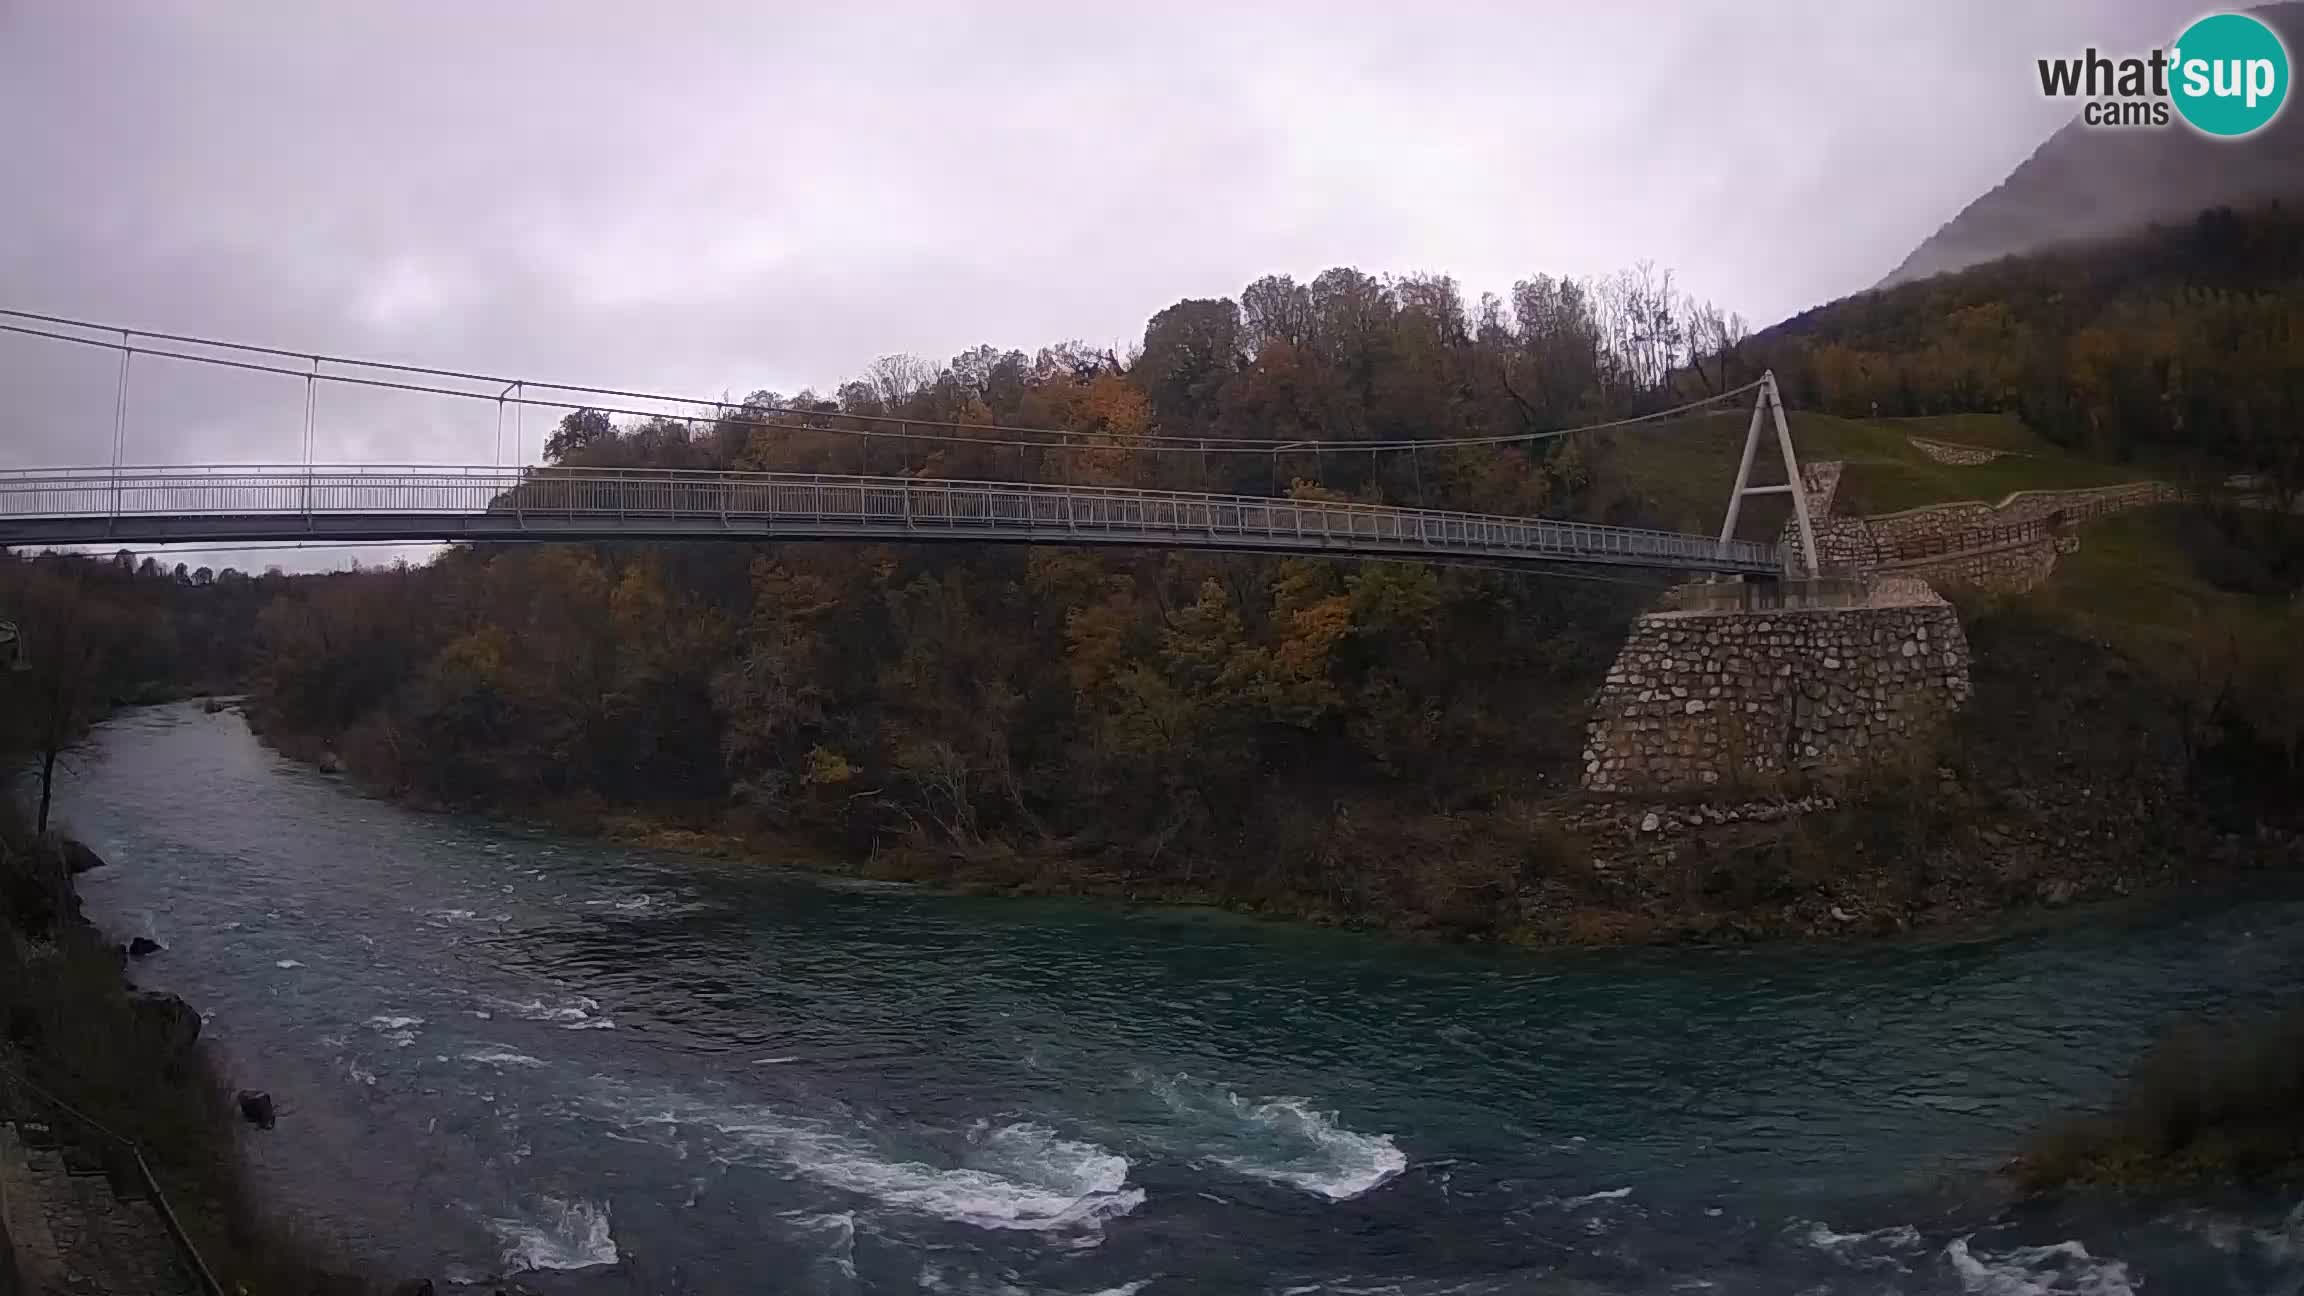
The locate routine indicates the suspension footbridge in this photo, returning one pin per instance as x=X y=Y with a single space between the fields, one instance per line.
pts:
x=223 y=505
x=228 y=505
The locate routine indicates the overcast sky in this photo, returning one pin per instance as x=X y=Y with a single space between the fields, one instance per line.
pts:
x=729 y=196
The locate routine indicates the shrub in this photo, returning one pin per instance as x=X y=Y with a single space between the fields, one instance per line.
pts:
x=2223 y=1102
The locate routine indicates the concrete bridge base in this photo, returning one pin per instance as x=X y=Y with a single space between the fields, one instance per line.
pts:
x=1734 y=683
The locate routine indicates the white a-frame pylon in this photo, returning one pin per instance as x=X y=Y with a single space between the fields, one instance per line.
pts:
x=1769 y=404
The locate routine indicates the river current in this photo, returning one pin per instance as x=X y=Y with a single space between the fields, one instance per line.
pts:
x=497 y=1050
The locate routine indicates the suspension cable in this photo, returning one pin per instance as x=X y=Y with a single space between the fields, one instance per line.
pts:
x=753 y=415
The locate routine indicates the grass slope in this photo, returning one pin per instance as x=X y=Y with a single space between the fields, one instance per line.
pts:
x=1676 y=475
x=2166 y=585
x=1988 y=431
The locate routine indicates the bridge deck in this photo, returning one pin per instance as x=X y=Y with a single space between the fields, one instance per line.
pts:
x=226 y=505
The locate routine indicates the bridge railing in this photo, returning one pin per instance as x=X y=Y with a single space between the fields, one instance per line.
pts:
x=762 y=502
x=123 y=1161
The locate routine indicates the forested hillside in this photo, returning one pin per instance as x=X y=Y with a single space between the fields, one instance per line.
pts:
x=2180 y=344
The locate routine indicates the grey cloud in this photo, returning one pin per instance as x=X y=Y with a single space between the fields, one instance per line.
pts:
x=719 y=197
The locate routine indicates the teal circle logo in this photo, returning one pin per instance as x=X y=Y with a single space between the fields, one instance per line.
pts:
x=2228 y=74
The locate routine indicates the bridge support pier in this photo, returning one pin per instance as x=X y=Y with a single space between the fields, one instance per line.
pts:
x=1734 y=684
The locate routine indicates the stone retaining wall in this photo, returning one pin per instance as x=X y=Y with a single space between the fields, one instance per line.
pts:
x=1854 y=544
x=1938 y=522
x=11 y=1279
x=1823 y=483
x=2015 y=568
x=1718 y=691
x=1699 y=699
x=1842 y=544
x=1946 y=452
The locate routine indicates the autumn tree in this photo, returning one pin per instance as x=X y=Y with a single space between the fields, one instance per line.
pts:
x=75 y=642
x=578 y=431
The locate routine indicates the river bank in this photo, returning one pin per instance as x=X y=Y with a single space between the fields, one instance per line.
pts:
x=2073 y=776
x=130 y=1064
x=501 y=1049
x=171 y=1088
x=2210 y=1105
x=1611 y=873
x=1595 y=873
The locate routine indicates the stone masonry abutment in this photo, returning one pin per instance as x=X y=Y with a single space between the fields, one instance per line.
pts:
x=1732 y=682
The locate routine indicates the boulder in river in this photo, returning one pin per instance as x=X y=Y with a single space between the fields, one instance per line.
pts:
x=331 y=763
x=78 y=857
x=256 y=1108
x=143 y=947
x=170 y=1024
x=214 y=705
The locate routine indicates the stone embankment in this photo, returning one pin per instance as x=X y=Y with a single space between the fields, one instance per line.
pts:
x=1718 y=696
x=1726 y=686
x=64 y=1227
x=1968 y=542
x=1946 y=452
x=1939 y=524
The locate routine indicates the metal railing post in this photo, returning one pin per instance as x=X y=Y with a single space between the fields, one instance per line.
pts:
x=120 y=426
x=311 y=397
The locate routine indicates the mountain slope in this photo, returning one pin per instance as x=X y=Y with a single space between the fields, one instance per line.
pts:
x=2181 y=345
x=2086 y=183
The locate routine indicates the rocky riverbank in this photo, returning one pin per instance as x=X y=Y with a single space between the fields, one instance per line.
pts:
x=129 y=1063
x=1942 y=848
x=2072 y=774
